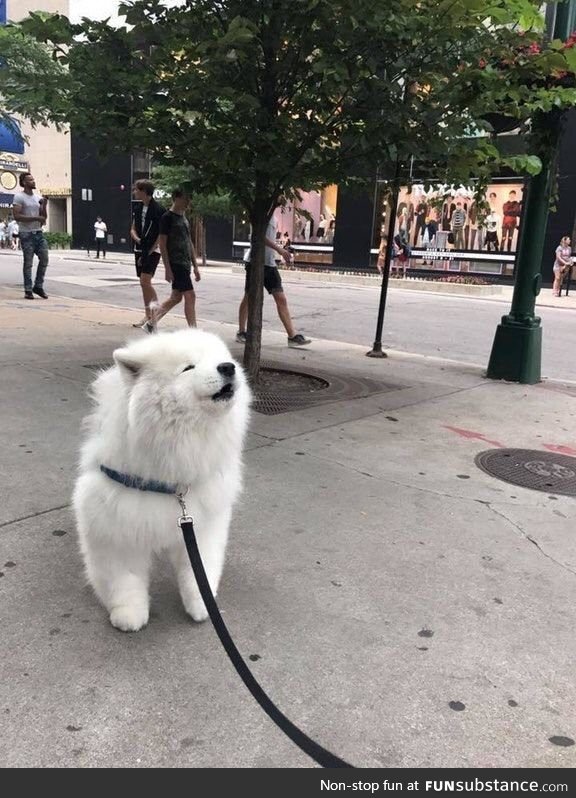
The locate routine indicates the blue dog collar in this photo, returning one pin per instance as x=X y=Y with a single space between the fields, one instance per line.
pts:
x=152 y=485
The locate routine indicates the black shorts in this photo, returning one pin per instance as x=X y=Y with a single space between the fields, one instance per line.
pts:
x=272 y=279
x=182 y=278
x=146 y=264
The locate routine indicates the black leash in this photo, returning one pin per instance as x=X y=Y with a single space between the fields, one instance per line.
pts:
x=305 y=743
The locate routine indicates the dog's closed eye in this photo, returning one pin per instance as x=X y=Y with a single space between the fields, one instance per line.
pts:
x=188 y=368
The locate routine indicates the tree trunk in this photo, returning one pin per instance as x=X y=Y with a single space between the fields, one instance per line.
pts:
x=256 y=293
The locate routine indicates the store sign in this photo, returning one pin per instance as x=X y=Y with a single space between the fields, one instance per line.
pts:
x=11 y=163
x=6 y=200
x=56 y=192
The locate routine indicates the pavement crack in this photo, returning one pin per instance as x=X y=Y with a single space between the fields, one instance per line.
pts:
x=34 y=515
x=530 y=539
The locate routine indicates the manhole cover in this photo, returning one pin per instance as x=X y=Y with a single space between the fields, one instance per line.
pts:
x=280 y=391
x=530 y=468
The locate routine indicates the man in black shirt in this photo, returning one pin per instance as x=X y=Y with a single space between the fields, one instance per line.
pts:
x=179 y=258
x=144 y=233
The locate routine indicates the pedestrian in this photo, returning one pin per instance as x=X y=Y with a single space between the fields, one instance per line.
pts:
x=273 y=284
x=30 y=213
x=16 y=236
x=100 y=233
x=144 y=232
x=179 y=258
x=562 y=263
x=12 y=234
x=2 y=233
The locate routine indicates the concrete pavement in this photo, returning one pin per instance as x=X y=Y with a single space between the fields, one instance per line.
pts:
x=403 y=607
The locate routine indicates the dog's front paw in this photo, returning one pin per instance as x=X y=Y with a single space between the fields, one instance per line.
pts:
x=128 y=618
x=196 y=609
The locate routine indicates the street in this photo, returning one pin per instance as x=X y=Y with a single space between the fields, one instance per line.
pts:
x=459 y=328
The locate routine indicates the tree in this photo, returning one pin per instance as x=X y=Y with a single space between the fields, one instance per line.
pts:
x=263 y=97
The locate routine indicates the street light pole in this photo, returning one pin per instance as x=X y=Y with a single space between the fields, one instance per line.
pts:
x=517 y=349
x=376 y=350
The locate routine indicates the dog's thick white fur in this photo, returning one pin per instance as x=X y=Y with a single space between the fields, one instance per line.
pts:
x=174 y=408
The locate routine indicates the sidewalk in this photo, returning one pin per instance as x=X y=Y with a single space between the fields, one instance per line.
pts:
x=403 y=607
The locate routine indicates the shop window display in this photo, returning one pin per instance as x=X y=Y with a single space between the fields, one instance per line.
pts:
x=306 y=226
x=447 y=228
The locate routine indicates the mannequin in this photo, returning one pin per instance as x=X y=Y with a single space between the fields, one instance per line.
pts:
x=512 y=211
x=421 y=214
x=457 y=223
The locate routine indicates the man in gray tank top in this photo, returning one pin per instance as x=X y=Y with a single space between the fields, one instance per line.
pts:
x=29 y=211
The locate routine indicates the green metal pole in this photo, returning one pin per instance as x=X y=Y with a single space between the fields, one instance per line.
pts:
x=517 y=349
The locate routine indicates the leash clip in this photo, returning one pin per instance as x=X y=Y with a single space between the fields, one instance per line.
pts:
x=184 y=518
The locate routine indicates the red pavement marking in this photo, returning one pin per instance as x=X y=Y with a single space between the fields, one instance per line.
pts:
x=559 y=448
x=471 y=435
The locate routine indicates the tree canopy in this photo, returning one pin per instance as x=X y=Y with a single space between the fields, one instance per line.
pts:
x=259 y=98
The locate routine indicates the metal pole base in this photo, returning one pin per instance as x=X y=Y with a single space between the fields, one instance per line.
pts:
x=376 y=352
x=516 y=354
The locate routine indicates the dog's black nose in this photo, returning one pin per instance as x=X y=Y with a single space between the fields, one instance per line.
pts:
x=227 y=369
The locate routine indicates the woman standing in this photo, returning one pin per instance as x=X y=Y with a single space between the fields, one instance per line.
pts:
x=562 y=263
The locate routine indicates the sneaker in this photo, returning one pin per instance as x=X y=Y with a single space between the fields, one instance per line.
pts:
x=40 y=292
x=139 y=324
x=148 y=327
x=28 y=295
x=241 y=337
x=299 y=340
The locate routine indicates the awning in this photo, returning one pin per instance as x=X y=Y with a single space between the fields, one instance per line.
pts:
x=10 y=137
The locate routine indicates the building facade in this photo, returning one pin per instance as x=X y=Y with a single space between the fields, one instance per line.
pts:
x=447 y=234
x=47 y=151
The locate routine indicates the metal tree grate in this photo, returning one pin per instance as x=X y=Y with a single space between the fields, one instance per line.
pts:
x=530 y=468
x=320 y=389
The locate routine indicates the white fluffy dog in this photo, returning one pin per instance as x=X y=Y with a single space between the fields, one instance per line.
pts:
x=171 y=415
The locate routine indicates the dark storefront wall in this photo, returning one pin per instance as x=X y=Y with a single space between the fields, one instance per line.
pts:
x=113 y=203
x=353 y=230
x=219 y=234
x=562 y=221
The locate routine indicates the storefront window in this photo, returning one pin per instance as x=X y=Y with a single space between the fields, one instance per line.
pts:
x=306 y=227
x=446 y=228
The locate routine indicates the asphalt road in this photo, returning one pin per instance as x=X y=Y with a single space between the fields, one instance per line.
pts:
x=454 y=327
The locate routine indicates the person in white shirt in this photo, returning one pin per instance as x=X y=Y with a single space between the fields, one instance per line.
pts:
x=101 y=231
x=29 y=211
x=12 y=231
x=2 y=234
x=273 y=284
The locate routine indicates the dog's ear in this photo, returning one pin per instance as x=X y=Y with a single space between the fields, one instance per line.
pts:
x=130 y=364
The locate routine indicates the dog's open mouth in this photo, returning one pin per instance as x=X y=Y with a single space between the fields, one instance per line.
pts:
x=225 y=393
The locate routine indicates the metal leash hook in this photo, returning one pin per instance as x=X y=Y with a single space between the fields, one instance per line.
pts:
x=184 y=518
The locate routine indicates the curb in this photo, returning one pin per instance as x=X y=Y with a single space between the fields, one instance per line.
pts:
x=374 y=281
